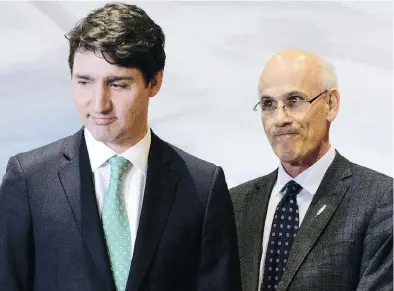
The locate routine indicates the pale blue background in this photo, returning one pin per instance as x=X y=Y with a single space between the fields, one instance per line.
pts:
x=216 y=51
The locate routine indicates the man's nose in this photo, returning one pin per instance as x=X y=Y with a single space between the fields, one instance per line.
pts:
x=101 y=100
x=281 y=117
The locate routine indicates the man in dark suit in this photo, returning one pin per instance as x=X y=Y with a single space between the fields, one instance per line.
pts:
x=319 y=221
x=114 y=207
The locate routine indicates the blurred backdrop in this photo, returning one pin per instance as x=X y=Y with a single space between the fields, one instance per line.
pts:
x=215 y=53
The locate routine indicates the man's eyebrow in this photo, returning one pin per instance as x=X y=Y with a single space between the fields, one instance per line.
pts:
x=265 y=96
x=294 y=92
x=286 y=95
x=83 y=77
x=108 y=79
x=111 y=79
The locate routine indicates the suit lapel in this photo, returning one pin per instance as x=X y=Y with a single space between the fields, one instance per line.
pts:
x=77 y=180
x=324 y=204
x=251 y=235
x=161 y=184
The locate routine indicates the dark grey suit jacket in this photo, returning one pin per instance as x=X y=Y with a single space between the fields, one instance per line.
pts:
x=349 y=246
x=51 y=236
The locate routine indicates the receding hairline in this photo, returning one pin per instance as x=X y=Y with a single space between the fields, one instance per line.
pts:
x=324 y=68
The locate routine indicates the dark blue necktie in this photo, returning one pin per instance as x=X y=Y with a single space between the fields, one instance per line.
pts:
x=283 y=231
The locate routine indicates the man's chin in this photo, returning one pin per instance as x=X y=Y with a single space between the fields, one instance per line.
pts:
x=100 y=136
x=287 y=156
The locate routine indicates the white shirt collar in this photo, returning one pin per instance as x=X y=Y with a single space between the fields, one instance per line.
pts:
x=310 y=178
x=99 y=153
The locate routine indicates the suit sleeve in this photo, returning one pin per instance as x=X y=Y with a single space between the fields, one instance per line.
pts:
x=377 y=260
x=219 y=262
x=15 y=231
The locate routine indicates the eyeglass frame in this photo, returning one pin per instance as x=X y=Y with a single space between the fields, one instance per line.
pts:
x=308 y=101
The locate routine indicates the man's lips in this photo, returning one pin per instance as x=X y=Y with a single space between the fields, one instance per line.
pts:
x=102 y=120
x=285 y=133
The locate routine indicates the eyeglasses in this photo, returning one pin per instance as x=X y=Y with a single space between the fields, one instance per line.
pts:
x=294 y=104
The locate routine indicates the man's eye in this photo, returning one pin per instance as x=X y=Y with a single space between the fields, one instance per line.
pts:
x=82 y=83
x=267 y=103
x=118 y=86
x=294 y=100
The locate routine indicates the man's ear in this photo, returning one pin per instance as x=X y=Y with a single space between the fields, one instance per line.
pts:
x=333 y=100
x=155 y=84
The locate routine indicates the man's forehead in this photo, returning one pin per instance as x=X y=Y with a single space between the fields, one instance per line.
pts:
x=88 y=62
x=283 y=79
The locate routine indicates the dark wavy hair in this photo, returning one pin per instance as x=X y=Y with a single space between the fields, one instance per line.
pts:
x=124 y=35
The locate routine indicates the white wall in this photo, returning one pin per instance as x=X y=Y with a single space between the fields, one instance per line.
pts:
x=216 y=51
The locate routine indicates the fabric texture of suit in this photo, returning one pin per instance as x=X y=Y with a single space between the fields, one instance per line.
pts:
x=348 y=246
x=51 y=236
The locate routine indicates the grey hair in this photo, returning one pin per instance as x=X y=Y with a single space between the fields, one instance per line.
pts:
x=329 y=78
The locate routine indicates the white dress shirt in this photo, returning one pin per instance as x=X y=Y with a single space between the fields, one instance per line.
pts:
x=310 y=180
x=134 y=179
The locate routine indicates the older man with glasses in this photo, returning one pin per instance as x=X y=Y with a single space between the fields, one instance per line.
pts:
x=318 y=221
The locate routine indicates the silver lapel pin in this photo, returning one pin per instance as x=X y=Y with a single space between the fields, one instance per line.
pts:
x=321 y=210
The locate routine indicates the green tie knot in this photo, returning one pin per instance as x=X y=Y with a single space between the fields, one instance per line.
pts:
x=118 y=165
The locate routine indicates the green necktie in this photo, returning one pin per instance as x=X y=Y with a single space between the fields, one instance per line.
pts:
x=116 y=224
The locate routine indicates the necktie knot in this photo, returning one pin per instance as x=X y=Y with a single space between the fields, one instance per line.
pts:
x=118 y=165
x=293 y=188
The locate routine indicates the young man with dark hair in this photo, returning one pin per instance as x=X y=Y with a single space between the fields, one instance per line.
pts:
x=114 y=207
